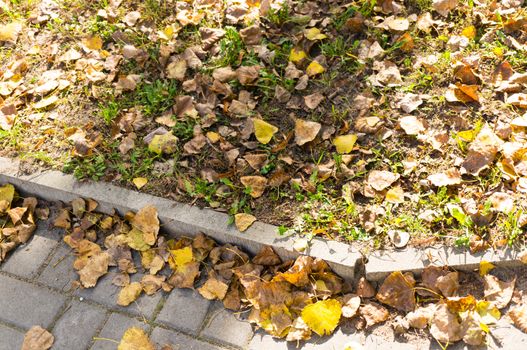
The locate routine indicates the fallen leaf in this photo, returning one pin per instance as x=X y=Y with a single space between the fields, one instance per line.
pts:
x=129 y=294
x=7 y=193
x=314 y=34
x=213 y=288
x=146 y=221
x=93 y=43
x=306 y=131
x=499 y=293
x=350 y=305
x=243 y=221
x=139 y=182
x=312 y=101
x=380 y=180
x=518 y=315
x=421 y=317
x=485 y=267
x=297 y=55
x=96 y=266
x=263 y=131
x=411 y=125
x=443 y=7
x=345 y=143
x=449 y=177
x=314 y=68
x=166 y=143
x=445 y=327
x=395 y=195
x=398 y=292
x=374 y=313
x=37 y=338
x=256 y=184
x=323 y=316
x=177 y=70
x=9 y=32
x=135 y=339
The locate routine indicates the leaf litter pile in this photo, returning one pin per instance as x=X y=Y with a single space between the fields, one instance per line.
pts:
x=377 y=121
x=293 y=299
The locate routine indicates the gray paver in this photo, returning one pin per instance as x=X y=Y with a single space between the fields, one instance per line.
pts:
x=59 y=273
x=224 y=327
x=162 y=337
x=77 y=326
x=106 y=293
x=26 y=305
x=27 y=259
x=114 y=328
x=185 y=310
x=10 y=339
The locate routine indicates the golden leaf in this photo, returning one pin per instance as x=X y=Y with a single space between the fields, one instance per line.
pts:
x=314 y=68
x=323 y=316
x=135 y=240
x=485 y=267
x=243 y=221
x=37 y=338
x=147 y=222
x=7 y=193
x=345 y=143
x=96 y=266
x=135 y=339
x=9 y=32
x=264 y=131
x=395 y=195
x=297 y=55
x=179 y=258
x=129 y=294
x=314 y=34
x=93 y=43
x=469 y=32
x=257 y=184
x=166 y=143
x=139 y=182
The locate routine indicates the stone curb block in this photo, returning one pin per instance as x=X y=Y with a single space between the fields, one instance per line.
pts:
x=176 y=218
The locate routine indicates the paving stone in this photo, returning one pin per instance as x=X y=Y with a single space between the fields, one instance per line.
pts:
x=77 y=326
x=25 y=305
x=185 y=309
x=224 y=327
x=27 y=259
x=114 y=328
x=162 y=337
x=10 y=339
x=106 y=294
x=59 y=273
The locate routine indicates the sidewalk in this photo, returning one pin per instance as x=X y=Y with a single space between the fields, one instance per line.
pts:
x=35 y=289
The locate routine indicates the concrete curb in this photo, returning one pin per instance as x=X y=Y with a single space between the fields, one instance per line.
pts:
x=182 y=219
x=176 y=218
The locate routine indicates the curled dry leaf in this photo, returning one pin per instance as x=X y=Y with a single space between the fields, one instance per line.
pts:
x=380 y=180
x=306 y=131
x=350 y=305
x=482 y=151
x=398 y=292
x=365 y=289
x=443 y=7
x=374 y=313
x=421 y=317
x=129 y=294
x=445 y=326
x=499 y=293
x=518 y=315
x=37 y=338
x=214 y=288
x=399 y=238
x=449 y=177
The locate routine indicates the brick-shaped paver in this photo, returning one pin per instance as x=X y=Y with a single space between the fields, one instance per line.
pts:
x=178 y=341
x=106 y=294
x=77 y=326
x=184 y=309
x=10 y=339
x=222 y=326
x=114 y=328
x=27 y=259
x=59 y=272
x=25 y=305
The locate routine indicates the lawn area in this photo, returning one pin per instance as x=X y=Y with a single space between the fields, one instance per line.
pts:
x=380 y=122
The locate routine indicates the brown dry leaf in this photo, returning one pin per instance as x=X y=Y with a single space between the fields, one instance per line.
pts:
x=473 y=330
x=257 y=184
x=37 y=338
x=465 y=75
x=443 y=7
x=146 y=221
x=482 y=151
x=380 y=180
x=499 y=293
x=518 y=315
x=298 y=274
x=135 y=339
x=299 y=330
x=247 y=74
x=267 y=257
x=243 y=221
x=374 y=313
x=129 y=294
x=445 y=327
x=96 y=266
x=421 y=317
x=151 y=284
x=177 y=70
x=397 y=291
x=312 y=101
x=214 y=288
x=449 y=177
x=306 y=131
x=365 y=289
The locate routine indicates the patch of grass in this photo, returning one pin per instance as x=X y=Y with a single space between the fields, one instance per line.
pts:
x=109 y=111
x=157 y=97
x=93 y=167
x=184 y=129
x=231 y=47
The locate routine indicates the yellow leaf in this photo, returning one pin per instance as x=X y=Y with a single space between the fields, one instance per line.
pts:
x=395 y=195
x=484 y=327
x=129 y=294
x=485 y=267
x=136 y=240
x=297 y=55
x=179 y=258
x=9 y=32
x=467 y=135
x=139 y=182
x=314 y=68
x=135 y=339
x=93 y=43
x=264 y=131
x=489 y=314
x=166 y=143
x=323 y=316
x=314 y=34
x=167 y=33
x=213 y=136
x=345 y=143
x=469 y=32
x=243 y=221
x=7 y=193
